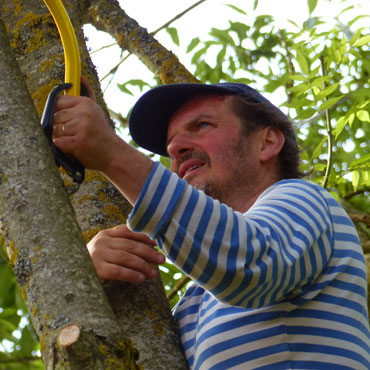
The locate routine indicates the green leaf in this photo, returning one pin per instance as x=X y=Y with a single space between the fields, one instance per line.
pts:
x=302 y=61
x=366 y=178
x=7 y=312
x=232 y=66
x=319 y=81
x=318 y=149
x=327 y=91
x=221 y=57
x=346 y=9
x=193 y=43
x=320 y=167
x=293 y=23
x=341 y=124
x=6 y=326
x=134 y=82
x=241 y=30
x=302 y=88
x=314 y=73
x=360 y=161
x=201 y=52
x=355 y=179
x=329 y=103
x=237 y=9
x=174 y=35
x=362 y=41
x=311 y=5
x=337 y=56
x=363 y=115
x=297 y=77
x=166 y=161
x=255 y=4
x=222 y=36
x=307 y=113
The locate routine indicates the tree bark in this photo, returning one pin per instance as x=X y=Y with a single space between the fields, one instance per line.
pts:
x=44 y=242
x=142 y=311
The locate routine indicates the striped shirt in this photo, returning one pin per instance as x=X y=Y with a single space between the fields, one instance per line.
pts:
x=282 y=286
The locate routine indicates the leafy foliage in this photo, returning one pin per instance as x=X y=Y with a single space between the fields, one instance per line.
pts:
x=19 y=348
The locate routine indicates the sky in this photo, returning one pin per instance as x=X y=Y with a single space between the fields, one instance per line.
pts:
x=197 y=23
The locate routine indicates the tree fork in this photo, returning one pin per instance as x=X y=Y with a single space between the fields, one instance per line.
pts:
x=44 y=242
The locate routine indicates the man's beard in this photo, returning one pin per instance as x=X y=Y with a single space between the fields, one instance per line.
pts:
x=241 y=173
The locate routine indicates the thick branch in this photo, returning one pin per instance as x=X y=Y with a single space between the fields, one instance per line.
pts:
x=107 y=16
x=178 y=16
x=43 y=240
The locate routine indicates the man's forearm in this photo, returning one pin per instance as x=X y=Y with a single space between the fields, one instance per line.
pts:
x=128 y=170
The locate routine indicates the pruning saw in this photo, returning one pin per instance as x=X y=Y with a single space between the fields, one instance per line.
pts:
x=71 y=85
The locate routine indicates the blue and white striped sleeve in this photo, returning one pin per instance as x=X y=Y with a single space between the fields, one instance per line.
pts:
x=272 y=252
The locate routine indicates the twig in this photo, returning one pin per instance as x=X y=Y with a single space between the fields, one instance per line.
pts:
x=115 y=68
x=329 y=131
x=178 y=16
x=179 y=285
x=289 y=61
x=103 y=47
x=19 y=359
x=358 y=192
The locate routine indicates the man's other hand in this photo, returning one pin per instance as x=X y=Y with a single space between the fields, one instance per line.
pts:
x=120 y=254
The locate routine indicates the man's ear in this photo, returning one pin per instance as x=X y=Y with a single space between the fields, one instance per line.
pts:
x=271 y=142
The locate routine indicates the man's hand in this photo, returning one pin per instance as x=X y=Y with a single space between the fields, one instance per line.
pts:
x=120 y=254
x=81 y=131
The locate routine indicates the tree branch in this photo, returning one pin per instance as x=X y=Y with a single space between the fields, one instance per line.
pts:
x=289 y=61
x=330 y=134
x=179 y=285
x=107 y=16
x=178 y=16
x=22 y=360
x=358 y=192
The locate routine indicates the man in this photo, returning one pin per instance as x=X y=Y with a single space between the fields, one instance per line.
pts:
x=280 y=278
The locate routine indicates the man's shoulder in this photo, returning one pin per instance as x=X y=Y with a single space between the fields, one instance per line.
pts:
x=296 y=186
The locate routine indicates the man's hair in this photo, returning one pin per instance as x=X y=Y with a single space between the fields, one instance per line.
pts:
x=258 y=115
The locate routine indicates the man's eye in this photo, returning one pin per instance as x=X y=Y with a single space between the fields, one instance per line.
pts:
x=202 y=125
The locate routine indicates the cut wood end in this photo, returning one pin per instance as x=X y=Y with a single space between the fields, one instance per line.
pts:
x=69 y=335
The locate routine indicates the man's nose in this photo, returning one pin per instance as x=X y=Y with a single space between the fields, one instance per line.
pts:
x=180 y=145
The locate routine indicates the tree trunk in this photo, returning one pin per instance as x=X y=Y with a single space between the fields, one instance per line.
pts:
x=69 y=310
x=141 y=311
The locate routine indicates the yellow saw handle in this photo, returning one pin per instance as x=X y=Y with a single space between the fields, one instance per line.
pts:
x=69 y=42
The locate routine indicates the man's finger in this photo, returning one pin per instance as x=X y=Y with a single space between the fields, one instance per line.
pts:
x=115 y=272
x=122 y=231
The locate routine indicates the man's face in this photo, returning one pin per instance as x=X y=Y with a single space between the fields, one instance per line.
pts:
x=208 y=150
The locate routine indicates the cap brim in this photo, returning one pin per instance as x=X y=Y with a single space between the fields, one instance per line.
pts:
x=150 y=116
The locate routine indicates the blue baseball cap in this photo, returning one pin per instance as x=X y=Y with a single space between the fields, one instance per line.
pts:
x=151 y=114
